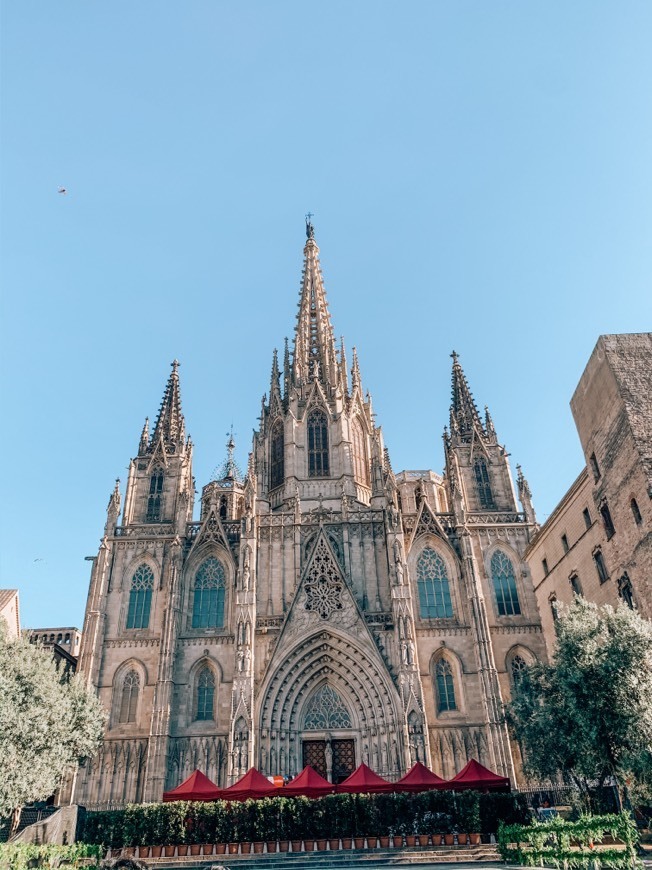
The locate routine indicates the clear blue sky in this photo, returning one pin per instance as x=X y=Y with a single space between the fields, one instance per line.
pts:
x=481 y=178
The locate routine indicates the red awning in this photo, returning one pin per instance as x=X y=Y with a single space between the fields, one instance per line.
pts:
x=308 y=783
x=252 y=785
x=197 y=787
x=364 y=780
x=419 y=778
x=474 y=775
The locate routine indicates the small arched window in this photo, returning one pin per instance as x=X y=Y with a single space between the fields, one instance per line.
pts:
x=360 y=465
x=129 y=698
x=154 y=514
x=318 y=459
x=517 y=666
x=445 y=686
x=224 y=507
x=140 y=597
x=205 y=694
x=277 y=456
x=502 y=575
x=434 y=590
x=485 y=495
x=208 y=600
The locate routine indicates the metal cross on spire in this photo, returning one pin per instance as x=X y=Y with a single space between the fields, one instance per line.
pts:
x=310 y=230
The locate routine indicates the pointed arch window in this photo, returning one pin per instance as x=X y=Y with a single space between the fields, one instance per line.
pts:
x=360 y=465
x=208 y=597
x=318 y=458
x=517 y=666
x=140 y=597
x=129 y=698
x=205 y=694
x=485 y=495
x=504 y=580
x=154 y=499
x=434 y=589
x=325 y=711
x=277 y=456
x=445 y=685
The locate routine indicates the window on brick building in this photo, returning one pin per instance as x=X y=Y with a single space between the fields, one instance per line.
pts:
x=636 y=512
x=608 y=523
x=600 y=566
x=544 y=565
x=564 y=543
x=552 y=600
x=595 y=468
x=576 y=586
x=587 y=518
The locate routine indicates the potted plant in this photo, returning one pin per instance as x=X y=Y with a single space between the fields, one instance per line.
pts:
x=169 y=851
x=220 y=848
x=143 y=851
x=296 y=845
x=271 y=845
x=182 y=850
x=258 y=846
x=156 y=851
x=245 y=847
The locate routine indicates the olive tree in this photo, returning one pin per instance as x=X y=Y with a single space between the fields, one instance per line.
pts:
x=588 y=714
x=48 y=724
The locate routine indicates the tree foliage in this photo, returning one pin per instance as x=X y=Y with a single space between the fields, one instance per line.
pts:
x=588 y=714
x=47 y=724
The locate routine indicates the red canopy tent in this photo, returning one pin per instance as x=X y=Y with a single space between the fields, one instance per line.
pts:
x=364 y=780
x=252 y=785
x=419 y=778
x=197 y=787
x=474 y=775
x=308 y=783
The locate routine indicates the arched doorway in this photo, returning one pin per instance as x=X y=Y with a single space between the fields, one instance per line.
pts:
x=327 y=739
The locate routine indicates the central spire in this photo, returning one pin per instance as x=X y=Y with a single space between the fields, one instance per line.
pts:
x=314 y=343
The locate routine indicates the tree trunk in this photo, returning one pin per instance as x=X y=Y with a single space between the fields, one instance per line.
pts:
x=15 y=821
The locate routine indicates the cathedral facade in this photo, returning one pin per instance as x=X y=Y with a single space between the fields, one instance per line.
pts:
x=323 y=609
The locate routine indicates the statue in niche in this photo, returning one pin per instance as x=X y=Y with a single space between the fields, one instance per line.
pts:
x=365 y=754
x=384 y=755
x=396 y=761
x=247 y=661
x=263 y=758
x=374 y=757
x=240 y=660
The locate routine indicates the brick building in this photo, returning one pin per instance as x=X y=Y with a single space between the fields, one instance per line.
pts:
x=598 y=540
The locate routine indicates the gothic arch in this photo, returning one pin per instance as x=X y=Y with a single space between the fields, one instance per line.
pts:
x=122 y=672
x=205 y=661
x=210 y=550
x=445 y=656
x=318 y=442
x=451 y=563
x=327 y=657
x=277 y=454
x=147 y=561
x=515 y=655
x=141 y=558
x=517 y=564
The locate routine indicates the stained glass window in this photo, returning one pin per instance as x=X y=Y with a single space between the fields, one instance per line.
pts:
x=205 y=694
x=445 y=686
x=318 y=465
x=154 y=499
x=208 y=602
x=129 y=698
x=483 y=485
x=502 y=575
x=140 y=597
x=277 y=458
x=432 y=583
x=326 y=710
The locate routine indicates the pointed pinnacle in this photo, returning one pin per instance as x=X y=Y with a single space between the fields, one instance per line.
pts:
x=464 y=413
x=356 y=381
x=170 y=425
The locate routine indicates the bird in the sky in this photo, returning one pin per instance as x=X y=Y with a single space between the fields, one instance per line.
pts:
x=38 y=560
x=62 y=190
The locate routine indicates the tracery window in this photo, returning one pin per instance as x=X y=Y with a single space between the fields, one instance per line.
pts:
x=445 y=686
x=482 y=483
x=205 y=694
x=277 y=456
x=502 y=575
x=323 y=584
x=432 y=583
x=517 y=666
x=129 y=698
x=318 y=459
x=208 y=600
x=360 y=466
x=140 y=597
x=154 y=514
x=325 y=711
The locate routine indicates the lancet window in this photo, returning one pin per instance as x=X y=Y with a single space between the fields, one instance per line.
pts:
x=502 y=575
x=277 y=456
x=154 y=500
x=360 y=465
x=205 y=694
x=485 y=495
x=445 y=685
x=318 y=458
x=517 y=666
x=129 y=698
x=434 y=589
x=208 y=598
x=140 y=597
x=326 y=711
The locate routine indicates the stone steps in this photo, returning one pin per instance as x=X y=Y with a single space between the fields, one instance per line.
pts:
x=325 y=860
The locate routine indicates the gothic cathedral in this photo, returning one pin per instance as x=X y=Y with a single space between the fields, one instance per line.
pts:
x=323 y=610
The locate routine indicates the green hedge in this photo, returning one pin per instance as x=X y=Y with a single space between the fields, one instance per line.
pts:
x=281 y=818
x=579 y=844
x=20 y=856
